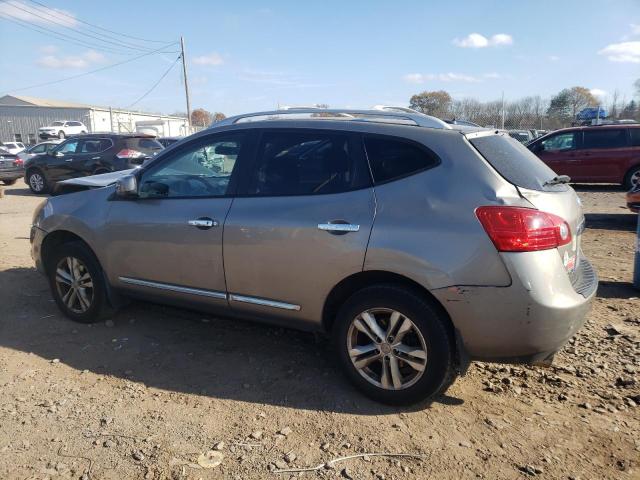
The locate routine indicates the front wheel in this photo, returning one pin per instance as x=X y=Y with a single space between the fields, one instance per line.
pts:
x=632 y=178
x=77 y=283
x=394 y=345
x=37 y=182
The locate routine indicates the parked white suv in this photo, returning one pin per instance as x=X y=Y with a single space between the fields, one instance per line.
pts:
x=62 y=129
x=13 y=147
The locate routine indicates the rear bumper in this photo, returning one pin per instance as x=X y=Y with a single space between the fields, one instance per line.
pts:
x=528 y=321
x=11 y=174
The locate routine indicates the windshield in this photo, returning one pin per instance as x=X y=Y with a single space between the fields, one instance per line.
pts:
x=516 y=163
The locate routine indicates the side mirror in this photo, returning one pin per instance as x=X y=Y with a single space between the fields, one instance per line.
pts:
x=127 y=186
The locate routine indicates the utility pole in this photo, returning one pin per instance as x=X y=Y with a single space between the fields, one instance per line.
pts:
x=186 y=84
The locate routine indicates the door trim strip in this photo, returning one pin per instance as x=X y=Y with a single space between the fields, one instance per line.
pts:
x=173 y=288
x=263 y=302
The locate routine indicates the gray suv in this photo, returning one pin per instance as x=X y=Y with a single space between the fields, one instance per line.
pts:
x=416 y=245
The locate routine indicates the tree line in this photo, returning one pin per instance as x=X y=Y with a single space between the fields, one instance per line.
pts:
x=203 y=118
x=528 y=112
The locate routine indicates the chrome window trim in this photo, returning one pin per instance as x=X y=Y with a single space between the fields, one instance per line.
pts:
x=263 y=302
x=173 y=288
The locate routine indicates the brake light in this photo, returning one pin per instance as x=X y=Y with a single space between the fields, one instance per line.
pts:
x=129 y=153
x=18 y=162
x=517 y=229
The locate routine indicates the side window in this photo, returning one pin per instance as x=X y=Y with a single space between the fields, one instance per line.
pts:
x=38 y=149
x=605 y=138
x=199 y=169
x=68 y=147
x=96 y=145
x=306 y=163
x=635 y=137
x=561 y=141
x=391 y=159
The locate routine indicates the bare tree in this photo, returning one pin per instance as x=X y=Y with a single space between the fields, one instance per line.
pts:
x=435 y=103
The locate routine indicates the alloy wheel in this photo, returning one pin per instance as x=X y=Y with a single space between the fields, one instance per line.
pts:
x=635 y=178
x=387 y=348
x=36 y=181
x=74 y=284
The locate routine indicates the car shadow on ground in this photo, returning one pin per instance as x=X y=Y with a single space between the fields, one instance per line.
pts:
x=626 y=222
x=609 y=289
x=185 y=351
x=21 y=192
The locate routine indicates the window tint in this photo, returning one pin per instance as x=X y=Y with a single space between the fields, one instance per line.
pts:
x=57 y=124
x=306 y=163
x=391 y=159
x=515 y=162
x=197 y=170
x=562 y=141
x=635 y=136
x=605 y=138
x=73 y=124
x=146 y=144
x=68 y=147
x=38 y=149
x=95 y=145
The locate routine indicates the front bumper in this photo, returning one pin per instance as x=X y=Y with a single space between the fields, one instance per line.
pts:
x=46 y=135
x=528 y=321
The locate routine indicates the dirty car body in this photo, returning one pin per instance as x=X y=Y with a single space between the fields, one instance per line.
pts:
x=372 y=231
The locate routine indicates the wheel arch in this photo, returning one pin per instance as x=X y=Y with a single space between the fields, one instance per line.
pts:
x=629 y=172
x=57 y=238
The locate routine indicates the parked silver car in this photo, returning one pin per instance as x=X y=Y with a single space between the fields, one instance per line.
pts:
x=418 y=246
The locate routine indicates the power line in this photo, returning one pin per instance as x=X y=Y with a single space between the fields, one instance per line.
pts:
x=155 y=84
x=58 y=35
x=96 y=26
x=129 y=60
x=50 y=19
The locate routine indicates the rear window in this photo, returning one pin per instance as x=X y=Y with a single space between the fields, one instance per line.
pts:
x=635 y=136
x=57 y=124
x=145 y=144
x=515 y=162
x=391 y=159
x=609 y=138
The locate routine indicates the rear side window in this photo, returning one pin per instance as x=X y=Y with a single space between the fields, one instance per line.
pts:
x=391 y=159
x=145 y=144
x=515 y=162
x=605 y=138
x=635 y=136
x=306 y=163
x=95 y=145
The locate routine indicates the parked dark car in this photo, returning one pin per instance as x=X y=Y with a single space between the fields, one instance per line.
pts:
x=596 y=154
x=11 y=167
x=89 y=154
x=166 y=141
x=39 y=149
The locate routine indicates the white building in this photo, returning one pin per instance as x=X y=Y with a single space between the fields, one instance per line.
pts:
x=21 y=116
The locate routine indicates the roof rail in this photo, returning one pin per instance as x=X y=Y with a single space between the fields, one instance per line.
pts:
x=378 y=115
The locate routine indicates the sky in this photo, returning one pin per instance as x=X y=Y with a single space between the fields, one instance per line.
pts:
x=247 y=55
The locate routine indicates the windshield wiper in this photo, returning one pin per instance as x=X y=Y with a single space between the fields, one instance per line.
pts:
x=557 y=180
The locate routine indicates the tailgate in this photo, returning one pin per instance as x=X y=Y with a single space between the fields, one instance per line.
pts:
x=566 y=205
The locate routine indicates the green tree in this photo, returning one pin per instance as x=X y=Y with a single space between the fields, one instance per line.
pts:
x=436 y=103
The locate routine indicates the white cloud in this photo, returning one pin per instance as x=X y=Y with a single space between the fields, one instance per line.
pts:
x=635 y=29
x=70 y=61
x=418 y=78
x=596 y=92
x=492 y=75
x=625 y=52
x=553 y=58
x=212 y=59
x=476 y=40
x=36 y=14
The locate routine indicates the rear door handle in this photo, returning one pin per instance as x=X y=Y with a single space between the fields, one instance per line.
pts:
x=203 y=223
x=338 y=228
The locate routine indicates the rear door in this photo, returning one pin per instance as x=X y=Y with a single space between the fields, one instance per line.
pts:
x=300 y=225
x=605 y=154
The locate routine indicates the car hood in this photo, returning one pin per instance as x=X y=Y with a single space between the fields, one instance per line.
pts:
x=97 y=181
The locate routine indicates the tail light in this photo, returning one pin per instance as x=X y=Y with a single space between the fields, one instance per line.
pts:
x=126 y=153
x=516 y=229
x=18 y=162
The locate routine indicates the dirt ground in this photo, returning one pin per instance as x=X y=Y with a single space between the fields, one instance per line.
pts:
x=144 y=396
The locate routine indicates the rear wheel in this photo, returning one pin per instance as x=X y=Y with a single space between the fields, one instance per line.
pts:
x=9 y=182
x=36 y=181
x=77 y=283
x=632 y=178
x=394 y=345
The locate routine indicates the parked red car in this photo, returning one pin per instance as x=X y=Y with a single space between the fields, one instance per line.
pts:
x=594 y=154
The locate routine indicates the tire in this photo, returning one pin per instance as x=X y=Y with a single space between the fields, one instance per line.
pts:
x=10 y=182
x=37 y=181
x=61 y=135
x=70 y=267
x=632 y=178
x=436 y=360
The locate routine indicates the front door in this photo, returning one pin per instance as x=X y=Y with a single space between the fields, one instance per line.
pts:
x=168 y=241
x=300 y=225
x=60 y=165
x=560 y=153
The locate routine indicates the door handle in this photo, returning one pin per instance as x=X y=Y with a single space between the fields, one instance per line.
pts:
x=203 y=223
x=338 y=228
x=95 y=158
x=69 y=160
